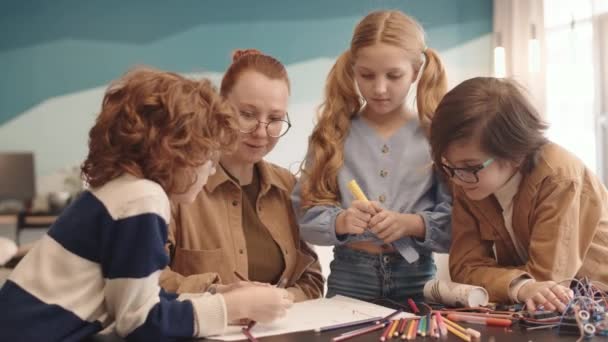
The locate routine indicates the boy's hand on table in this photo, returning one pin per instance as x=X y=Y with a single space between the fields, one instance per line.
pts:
x=547 y=294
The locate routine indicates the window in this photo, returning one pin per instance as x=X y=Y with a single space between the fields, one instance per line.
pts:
x=574 y=80
x=570 y=77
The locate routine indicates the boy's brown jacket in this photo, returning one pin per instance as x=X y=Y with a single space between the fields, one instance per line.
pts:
x=560 y=214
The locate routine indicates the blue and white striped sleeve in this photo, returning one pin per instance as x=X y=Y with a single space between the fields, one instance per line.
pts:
x=438 y=221
x=132 y=259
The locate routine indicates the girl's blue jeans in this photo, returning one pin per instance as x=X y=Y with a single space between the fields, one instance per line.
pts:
x=372 y=277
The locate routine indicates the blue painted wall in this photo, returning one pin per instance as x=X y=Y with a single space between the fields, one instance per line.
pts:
x=50 y=48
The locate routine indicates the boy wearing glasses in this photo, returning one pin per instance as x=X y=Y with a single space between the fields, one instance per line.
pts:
x=527 y=215
x=241 y=225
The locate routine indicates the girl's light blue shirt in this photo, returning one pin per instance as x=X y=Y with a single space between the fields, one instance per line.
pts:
x=398 y=173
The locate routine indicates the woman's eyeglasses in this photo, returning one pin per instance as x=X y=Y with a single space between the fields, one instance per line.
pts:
x=275 y=128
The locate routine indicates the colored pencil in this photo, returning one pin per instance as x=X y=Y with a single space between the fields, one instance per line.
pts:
x=422 y=326
x=480 y=314
x=490 y=321
x=394 y=328
x=459 y=333
x=401 y=328
x=238 y=275
x=412 y=305
x=413 y=330
x=387 y=332
x=441 y=325
x=247 y=333
x=434 y=331
x=359 y=332
x=466 y=331
x=348 y=324
x=389 y=316
x=407 y=329
x=473 y=333
x=454 y=325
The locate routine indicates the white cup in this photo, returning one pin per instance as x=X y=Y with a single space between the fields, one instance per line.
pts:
x=455 y=294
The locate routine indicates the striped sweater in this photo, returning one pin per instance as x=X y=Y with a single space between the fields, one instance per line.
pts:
x=98 y=266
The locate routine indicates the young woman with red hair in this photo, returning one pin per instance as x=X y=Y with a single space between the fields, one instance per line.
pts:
x=242 y=224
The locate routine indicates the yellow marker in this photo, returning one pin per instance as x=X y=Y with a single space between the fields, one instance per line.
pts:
x=356 y=191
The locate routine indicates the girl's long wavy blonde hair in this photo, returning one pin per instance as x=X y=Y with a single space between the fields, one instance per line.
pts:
x=342 y=101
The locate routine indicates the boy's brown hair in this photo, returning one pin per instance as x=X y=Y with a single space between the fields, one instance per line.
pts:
x=159 y=126
x=496 y=113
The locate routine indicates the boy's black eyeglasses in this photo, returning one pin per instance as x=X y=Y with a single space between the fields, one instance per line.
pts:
x=466 y=174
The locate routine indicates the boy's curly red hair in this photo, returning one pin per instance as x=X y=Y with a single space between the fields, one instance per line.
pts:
x=160 y=126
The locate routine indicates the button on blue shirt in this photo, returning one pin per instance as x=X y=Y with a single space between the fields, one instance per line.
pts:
x=398 y=173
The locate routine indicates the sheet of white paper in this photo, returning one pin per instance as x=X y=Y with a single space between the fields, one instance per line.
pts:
x=313 y=314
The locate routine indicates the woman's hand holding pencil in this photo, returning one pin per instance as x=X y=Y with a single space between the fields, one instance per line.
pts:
x=223 y=288
x=281 y=284
x=243 y=282
x=264 y=303
x=258 y=303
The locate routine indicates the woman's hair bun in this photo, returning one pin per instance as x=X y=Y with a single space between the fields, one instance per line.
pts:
x=237 y=54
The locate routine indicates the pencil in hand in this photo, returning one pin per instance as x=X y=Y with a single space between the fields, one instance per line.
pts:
x=241 y=277
x=250 y=337
x=281 y=284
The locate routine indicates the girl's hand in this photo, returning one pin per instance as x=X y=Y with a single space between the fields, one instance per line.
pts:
x=390 y=226
x=354 y=220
